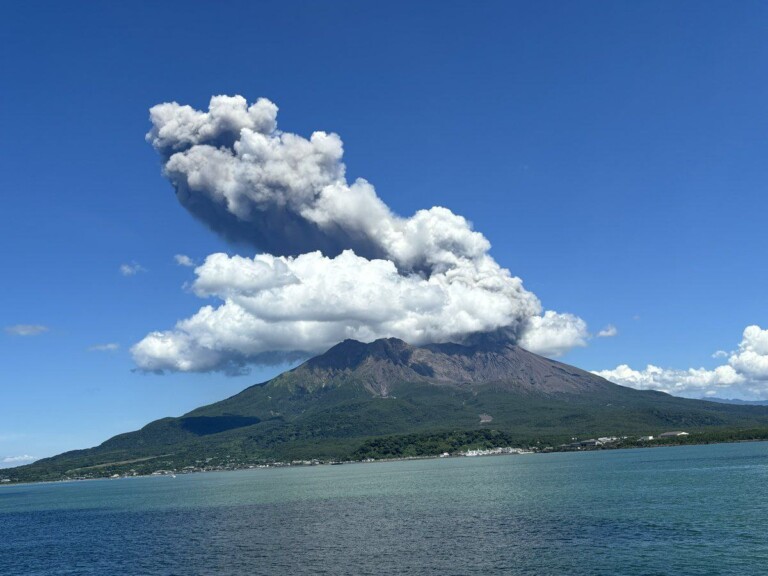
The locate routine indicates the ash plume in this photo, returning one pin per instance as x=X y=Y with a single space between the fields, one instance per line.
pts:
x=334 y=261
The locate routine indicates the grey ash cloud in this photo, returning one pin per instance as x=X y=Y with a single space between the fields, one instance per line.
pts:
x=333 y=261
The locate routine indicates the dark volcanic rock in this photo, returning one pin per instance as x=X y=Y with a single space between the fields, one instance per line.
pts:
x=383 y=362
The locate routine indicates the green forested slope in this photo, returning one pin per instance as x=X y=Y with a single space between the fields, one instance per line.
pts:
x=336 y=405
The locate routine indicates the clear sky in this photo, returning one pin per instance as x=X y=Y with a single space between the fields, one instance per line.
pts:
x=613 y=153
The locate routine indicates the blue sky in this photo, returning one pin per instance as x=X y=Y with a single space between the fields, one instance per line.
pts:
x=613 y=153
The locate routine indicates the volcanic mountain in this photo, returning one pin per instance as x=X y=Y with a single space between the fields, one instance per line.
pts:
x=339 y=404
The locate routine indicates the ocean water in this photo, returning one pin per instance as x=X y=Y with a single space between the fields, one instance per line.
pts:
x=696 y=510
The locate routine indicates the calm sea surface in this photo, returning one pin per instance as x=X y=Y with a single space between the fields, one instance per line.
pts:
x=683 y=510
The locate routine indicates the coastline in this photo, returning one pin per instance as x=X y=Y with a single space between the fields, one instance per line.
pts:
x=302 y=464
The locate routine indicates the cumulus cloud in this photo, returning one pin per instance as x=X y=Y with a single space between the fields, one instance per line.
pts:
x=744 y=375
x=26 y=329
x=311 y=302
x=131 y=269
x=608 y=332
x=184 y=260
x=693 y=381
x=344 y=265
x=553 y=334
x=751 y=358
x=109 y=347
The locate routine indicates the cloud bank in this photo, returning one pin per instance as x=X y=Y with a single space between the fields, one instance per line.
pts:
x=745 y=374
x=335 y=261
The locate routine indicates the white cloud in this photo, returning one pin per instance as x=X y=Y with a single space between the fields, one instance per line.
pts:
x=693 y=381
x=131 y=269
x=751 y=358
x=720 y=354
x=745 y=374
x=183 y=260
x=346 y=266
x=289 y=195
x=26 y=329
x=10 y=461
x=109 y=347
x=608 y=332
x=177 y=127
x=310 y=302
x=554 y=334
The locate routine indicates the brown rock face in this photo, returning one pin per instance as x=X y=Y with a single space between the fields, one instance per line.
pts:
x=381 y=363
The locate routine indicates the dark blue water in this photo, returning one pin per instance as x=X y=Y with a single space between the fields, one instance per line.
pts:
x=685 y=511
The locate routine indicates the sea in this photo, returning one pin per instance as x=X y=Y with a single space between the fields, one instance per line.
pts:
x=688 y=510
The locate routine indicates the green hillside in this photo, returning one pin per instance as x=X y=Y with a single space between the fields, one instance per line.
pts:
x=390 y=399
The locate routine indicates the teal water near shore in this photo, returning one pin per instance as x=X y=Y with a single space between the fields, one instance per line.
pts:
x=688 y=510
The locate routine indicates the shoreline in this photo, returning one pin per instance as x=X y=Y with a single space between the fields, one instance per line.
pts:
x=293 y=464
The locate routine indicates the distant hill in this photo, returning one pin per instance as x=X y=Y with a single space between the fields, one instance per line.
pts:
x=357 y=399
x=740 y=402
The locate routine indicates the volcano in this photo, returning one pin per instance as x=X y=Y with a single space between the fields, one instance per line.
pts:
x=354 y=395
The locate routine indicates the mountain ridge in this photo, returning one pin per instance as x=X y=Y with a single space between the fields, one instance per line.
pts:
x=333 y=404
x=453 y=364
